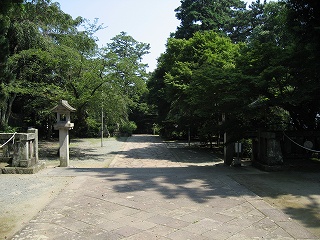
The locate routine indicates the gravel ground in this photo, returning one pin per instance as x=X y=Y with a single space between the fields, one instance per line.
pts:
x=22 y=196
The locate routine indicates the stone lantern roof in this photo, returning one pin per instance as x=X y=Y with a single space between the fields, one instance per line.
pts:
x=63 y=107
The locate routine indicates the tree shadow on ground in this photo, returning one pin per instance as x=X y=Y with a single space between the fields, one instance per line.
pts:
x=160 y=152
x=198 y=184
x=296 y=193
x=144 y=138
x=202 y=184
x=50 y=151
x=195 y=155
x=80 y=149
x=175 y=155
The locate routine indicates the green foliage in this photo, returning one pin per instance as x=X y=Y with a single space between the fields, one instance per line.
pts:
x=125 y=81
x=281 y=69
x=303 y=24
x=258 y=66
x=6 y=98
x=156 y=129
x=270 y=81
x=94 y=127
x=223 y=16
x=46 y=58
x=199 y=82
x=128 y=127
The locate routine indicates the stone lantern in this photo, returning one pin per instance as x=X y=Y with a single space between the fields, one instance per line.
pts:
x=63 y=110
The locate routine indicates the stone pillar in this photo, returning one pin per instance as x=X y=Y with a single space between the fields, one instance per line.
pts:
x=274 y=153
x=238 y=150
x=24 y=160
x=35 y=144
x=21 y=151
x=270 y=149
x=228 y=150
x=64 y=147
x=5 y=152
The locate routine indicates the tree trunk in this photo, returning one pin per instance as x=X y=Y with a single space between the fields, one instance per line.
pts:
x=6 y=109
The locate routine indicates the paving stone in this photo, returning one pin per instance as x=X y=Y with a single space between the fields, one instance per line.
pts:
x=126 y=231
x=146 y=236
x=276 y=214
x=161 y=230
x=111 y=225
x=223 y=231
x=296 y=230
x=168 y=221
x=202 y=226
x=149 y=193
x=185 y=235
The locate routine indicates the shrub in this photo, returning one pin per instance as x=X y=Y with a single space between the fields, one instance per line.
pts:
x=128 y=128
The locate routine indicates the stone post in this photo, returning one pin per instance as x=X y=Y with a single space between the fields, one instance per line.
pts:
x=35 y=144
x=228 y=150
x=64 y=147
x=21 y=153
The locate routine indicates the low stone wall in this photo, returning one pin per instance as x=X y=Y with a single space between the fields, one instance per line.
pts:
x=21 y=152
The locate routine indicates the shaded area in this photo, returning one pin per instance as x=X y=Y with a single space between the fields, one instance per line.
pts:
x=159 y=203
x=295 y=193
x=198 y=184
x=144 y=138
x=84 y=149
x=176 y=151
x=195 y=156
x=307 y=165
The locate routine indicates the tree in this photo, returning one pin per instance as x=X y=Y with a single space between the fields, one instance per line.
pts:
x=157 y=96
x=281 y=59
x=303 y=22
x=223 y=16
x=263 y=63
x=48 y=59
x=270 y=81
x=28 y=42
x=6 y=98
x=199 y=81
x=126 y=73
x=35 y=38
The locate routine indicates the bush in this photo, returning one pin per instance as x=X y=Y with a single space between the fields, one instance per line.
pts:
x=93 y=128
x=128 y=128
x=9 y=129
x=247 y=147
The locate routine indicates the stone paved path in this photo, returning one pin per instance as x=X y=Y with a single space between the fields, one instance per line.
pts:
x=150 y=152
x=151 y=193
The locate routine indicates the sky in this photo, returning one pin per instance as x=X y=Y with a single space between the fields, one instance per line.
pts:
x=147 y=21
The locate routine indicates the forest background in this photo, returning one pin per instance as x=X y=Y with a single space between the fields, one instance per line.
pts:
x=227 y=67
